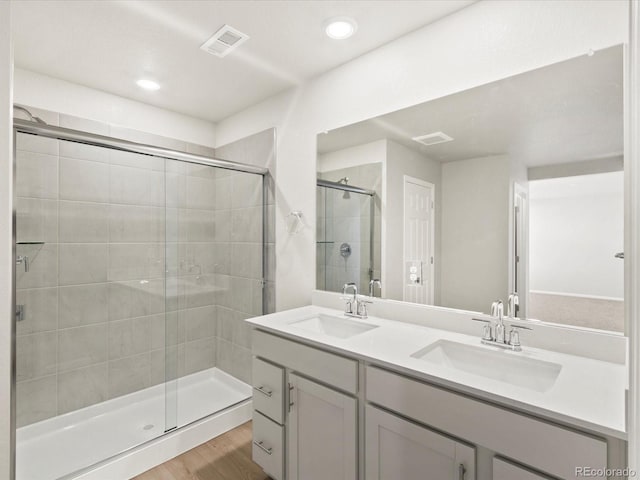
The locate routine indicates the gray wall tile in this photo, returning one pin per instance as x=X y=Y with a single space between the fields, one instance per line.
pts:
x=83 y=305
x=199 y=355
x=36 y=400
x=82 y=387
x=82 y=346
x=136 y=186
x=83 y=222
x=83 y=124
x=83 y=263
x=36 y=220
x=36 y=144
x=84 y=152
x=40 y=310
x=129 y=374
x=84 y=180
x=36 y=355
x=36 y=175
x=128 y=261
x=129 y=223
x=135 y=299
x=129 y=337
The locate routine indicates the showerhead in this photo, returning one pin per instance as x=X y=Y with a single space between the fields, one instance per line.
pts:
x=32 y=117
x=346 y=195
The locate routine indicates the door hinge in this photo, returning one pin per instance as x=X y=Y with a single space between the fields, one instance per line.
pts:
x=431 y=260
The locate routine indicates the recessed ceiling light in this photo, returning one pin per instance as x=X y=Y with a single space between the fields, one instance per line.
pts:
x=148 y=84
x=340 y=28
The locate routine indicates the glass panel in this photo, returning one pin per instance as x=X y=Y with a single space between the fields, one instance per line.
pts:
x=219 y=250
x=344 y=250
x=136 y=275
x=90 y=288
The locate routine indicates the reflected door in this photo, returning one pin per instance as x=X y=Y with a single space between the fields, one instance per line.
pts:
x=418 y=241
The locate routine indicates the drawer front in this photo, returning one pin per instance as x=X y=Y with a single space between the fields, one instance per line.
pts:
x=505 y=470
x=268 y=445
x=268 y=389
x=545 y=446
x=335 y=370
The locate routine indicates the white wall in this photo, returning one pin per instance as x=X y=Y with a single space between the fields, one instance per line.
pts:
x=574 y=233
x=6 y=243
x=482 y=43
x=374 y=152
x=475 y=233
x=401 y=161
x=60 y=96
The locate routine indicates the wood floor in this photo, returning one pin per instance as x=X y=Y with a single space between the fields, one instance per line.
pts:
x=227 y=457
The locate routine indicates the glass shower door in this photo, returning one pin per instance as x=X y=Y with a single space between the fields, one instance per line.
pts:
x=214 y=250
x=90 y=226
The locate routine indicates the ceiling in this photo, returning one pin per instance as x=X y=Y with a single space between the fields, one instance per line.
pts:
x=108 y=45
x=566 y=112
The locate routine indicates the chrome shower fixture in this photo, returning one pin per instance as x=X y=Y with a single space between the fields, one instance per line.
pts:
x=32 y=117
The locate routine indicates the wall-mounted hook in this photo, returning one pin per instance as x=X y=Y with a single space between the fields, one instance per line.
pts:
x=295 y=224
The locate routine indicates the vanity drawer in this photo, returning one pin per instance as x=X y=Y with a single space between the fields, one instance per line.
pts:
x=545 y=446
x=335 y=370
x=505 y=470
x=268 y=445
x=268 y=389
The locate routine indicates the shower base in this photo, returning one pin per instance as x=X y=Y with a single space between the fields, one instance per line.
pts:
x=98 y=442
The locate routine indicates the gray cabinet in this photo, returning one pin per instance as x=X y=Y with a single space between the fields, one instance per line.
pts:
x=321 y=431
x=397 y=448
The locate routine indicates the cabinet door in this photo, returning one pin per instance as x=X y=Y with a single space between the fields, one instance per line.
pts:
x=322 y=432
x=504 y=470
x=399 y=449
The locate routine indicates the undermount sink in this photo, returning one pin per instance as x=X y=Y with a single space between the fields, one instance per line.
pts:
x=507 y=367
x=333 y=326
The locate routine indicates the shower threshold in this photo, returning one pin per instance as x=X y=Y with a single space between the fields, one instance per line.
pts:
x=57 y=447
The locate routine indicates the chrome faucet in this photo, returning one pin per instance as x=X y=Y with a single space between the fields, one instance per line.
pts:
x=513 y=305
x=348 y=308
x=500 y=338
x=372 y=284
x=354 y=306
x=497 y=311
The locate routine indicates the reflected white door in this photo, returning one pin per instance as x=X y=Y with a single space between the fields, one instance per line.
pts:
x=419 y=235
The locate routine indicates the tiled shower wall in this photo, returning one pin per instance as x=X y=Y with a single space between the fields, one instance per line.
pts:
x=97 y=323
x=234 y=347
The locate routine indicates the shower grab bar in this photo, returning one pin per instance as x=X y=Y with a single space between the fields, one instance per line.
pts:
x=262 y=390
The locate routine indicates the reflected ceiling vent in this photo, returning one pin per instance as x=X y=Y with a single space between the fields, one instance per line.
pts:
x=224 y=41
x=433 y=138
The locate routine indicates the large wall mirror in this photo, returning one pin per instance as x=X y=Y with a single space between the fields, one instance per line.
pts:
x=511 y=187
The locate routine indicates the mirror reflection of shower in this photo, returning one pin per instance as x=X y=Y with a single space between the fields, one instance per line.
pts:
x=345 y=236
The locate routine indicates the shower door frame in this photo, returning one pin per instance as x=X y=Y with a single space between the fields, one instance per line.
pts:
x=66 y=134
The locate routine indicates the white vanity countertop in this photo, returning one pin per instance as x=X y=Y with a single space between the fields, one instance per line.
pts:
x=588 y=394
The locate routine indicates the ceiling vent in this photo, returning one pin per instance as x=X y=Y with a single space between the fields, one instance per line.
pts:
x=224 y=41
x=433 y=138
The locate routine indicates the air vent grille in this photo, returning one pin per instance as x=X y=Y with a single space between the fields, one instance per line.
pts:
x=224 y=41
x=433 y=138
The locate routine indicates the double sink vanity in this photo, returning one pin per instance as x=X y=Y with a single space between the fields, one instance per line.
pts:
x=343 y=398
